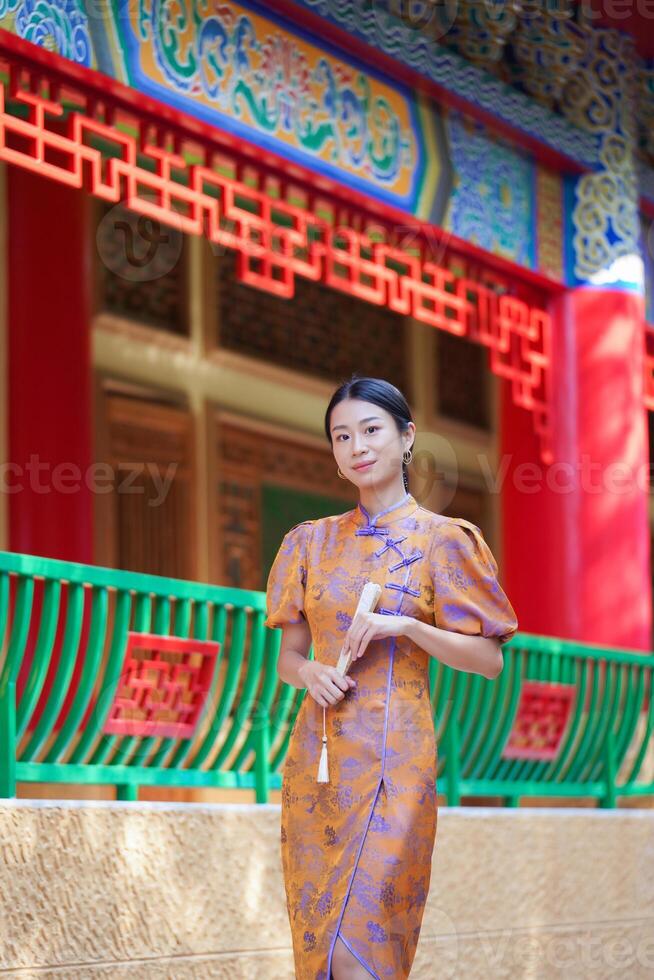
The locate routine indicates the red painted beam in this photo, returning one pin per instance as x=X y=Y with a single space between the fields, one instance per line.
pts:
x=183 y=126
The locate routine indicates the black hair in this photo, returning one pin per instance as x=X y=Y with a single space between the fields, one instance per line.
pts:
x=378 y=392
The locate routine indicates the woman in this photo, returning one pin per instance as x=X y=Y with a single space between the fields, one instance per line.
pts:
x=357 y=850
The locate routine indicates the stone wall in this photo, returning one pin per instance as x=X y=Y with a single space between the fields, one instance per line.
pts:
x=162 y=890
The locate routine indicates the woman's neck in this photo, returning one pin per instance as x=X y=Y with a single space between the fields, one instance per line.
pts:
x=375 y=499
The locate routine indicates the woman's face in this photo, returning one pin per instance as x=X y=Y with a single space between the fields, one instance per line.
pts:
x=366 y=443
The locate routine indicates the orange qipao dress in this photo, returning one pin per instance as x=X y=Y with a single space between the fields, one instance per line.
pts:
x=357 y=851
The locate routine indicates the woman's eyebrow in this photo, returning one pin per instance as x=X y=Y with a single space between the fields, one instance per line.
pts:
x=372 y=418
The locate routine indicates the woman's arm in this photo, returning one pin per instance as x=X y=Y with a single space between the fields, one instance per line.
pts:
x=475 y=654
x=323 y=682
x=294 y=652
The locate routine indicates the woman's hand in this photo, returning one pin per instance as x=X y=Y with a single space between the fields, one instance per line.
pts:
x=324 y=683
x=367 y=626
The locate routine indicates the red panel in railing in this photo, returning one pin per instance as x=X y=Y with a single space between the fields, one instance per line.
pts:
x=541 y=720
x=163 y=687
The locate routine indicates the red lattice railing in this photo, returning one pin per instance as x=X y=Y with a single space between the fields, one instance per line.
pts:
x=163 y=687
x=279 y=227
x=542 y=719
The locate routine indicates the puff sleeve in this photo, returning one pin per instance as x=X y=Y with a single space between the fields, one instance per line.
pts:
x=288 y=578
x=468 y=597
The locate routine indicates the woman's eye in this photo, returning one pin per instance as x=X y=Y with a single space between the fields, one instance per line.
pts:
x=342 y=435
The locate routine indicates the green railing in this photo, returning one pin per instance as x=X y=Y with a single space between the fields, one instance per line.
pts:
x=246 y=702
x=602 y=749
x=64 y=631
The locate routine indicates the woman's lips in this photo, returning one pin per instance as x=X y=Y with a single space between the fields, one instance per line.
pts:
x=365 y=466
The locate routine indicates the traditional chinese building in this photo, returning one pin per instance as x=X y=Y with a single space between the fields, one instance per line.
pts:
x=210 y=215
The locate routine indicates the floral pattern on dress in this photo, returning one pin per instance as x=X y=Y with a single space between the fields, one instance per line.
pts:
x=357 y=851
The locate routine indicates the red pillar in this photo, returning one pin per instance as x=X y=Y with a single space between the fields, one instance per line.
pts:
x=576 y=538
x=49 y=273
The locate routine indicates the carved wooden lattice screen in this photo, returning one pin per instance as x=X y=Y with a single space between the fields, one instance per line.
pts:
x=462 y=380
x=247 y=460
x=147 y=520
x=142 y=269
x=321 y=332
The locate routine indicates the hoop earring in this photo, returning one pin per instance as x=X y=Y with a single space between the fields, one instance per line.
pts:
x=405 y=458
x=338 y=470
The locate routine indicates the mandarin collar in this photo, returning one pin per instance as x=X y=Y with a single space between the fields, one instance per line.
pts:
x=397 y=511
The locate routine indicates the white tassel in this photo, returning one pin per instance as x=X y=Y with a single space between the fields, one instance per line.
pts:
x=323 y=767
x=369 y=598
